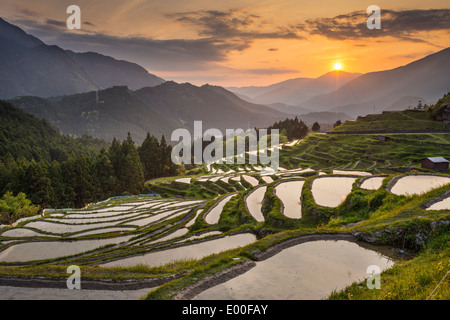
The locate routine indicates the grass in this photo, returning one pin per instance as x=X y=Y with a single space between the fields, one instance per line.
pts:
x=333 y=151
x=371 y=215
x=421 y=278
x=391 y=218
x=393 y=121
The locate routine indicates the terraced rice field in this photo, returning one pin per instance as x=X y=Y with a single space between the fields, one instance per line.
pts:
x=126 y=224
x=306 y=271
x=289 y=193
x=89 y=230
x=331 y=191
x=417 y=184
x=372 y=183
x=441 y=205
x=194 y=251
x=253 y=181
x=213 y=216
x=254 y=203
x=158 y=230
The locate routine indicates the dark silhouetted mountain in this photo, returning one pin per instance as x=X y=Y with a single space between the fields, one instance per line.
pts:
x=286 y=108
x=117 y=112
x=15 y=34
x=324 y=117
x=158 y=110
x=30 y=67
x=427 y=78
x=215 y=106
x=25 y=136
x=295 y=91
x=107 y=72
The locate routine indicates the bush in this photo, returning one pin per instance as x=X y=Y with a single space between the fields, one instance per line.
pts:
x=377 y=200
x=13 y=208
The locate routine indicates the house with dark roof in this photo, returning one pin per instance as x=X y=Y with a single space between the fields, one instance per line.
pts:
x=435 y=163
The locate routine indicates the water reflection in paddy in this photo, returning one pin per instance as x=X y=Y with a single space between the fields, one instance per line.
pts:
x=408 y=185
x=289 y=193
x=331 y=191
x=193 y=251
x=254 y=203
x=213 y=215
x=310 y=270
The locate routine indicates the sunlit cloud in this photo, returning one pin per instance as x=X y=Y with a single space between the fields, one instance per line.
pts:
x=404 y=25
x=235 y=24
x=239 y=40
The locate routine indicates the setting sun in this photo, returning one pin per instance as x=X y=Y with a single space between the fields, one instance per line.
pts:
x=337 y=66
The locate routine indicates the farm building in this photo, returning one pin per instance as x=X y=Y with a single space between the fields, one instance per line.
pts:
x=435 y=163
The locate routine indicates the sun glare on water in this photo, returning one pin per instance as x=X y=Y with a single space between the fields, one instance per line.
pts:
x=337 y=66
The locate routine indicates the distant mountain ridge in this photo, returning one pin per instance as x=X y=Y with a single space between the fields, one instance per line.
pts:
x=424 y=80
x=427 y=78
x=215 y=106
x=30 y=67
x=158 y=110
x=295 y=91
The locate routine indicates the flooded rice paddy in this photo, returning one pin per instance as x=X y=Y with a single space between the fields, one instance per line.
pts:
x=331 y=191
x=32 y=251
x=213 y=216
x=194 y=251
x=162 y=228
x=254 y=203
x=310 y=270
x=20 y=293
x=417 y=184
x=289 y=193
x=441 y=205
x=373 y=183
x=252 y=180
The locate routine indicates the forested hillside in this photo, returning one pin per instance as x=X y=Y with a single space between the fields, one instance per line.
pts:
x=57 y=171
x=25 y=136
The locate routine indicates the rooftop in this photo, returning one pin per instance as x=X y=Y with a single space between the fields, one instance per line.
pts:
x=437 y=159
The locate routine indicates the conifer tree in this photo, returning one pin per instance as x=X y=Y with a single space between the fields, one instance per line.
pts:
x=37 y=184
x=149 y=155
x=315 y=127
x=131 y=176
x=105 y=181
x=59 y=187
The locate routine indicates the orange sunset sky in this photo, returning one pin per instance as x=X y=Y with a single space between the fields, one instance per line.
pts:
x=245 y=42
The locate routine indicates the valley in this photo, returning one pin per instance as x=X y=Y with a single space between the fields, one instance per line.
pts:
x=179 y=234
x=186 y=152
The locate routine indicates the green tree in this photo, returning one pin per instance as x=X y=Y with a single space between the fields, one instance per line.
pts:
x=167 y=167
x=131 y=175
x=77 y=175
x=13 y=208
x=38 y=184
x=116 y=156
x=149 y=153
x=105 y=181
x=61 y=191
x=315 y=127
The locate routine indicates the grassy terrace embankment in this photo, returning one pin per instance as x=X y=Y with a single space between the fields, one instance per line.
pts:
x=400 y=221
x=407 y=120
x=401 y=152
x=373 y=216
